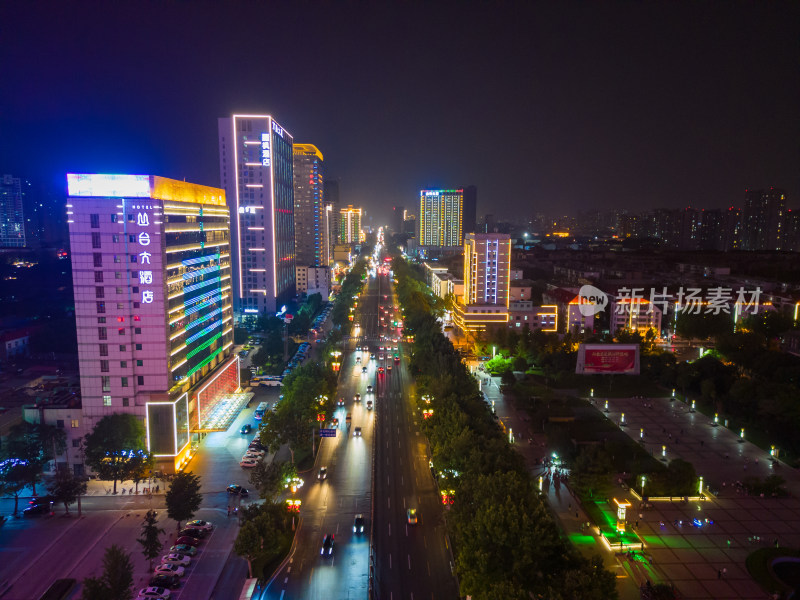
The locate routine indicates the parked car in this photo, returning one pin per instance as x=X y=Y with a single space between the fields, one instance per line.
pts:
x=184 y=549
x=188 y=540
x=200 y=524
x=165 y=581
x=248 y=463
x=169 y=569
x=37 y=510
x=153 y=593
x=237 y=490
x=193 y=533
x=176 y=559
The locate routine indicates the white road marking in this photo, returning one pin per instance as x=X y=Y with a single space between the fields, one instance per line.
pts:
x=389 y=502
x=390 y=561
x=409 y=562
x=406 y=529
x=390 y=529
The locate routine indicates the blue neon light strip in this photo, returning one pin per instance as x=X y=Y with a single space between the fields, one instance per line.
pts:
x=199 y=259
x=204 y=331
x=203 y=319
x=197 y=286
x=194 y=309
x=198 y=272
x=196 y=299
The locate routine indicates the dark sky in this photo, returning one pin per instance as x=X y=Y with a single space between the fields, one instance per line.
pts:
x=546 y=107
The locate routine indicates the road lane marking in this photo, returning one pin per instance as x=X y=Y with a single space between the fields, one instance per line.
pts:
x=406 y=529
x=390 y=529
x=409 y=562
x=389 y=502
x=429 y=568
x=282 y=593
x=390 y=561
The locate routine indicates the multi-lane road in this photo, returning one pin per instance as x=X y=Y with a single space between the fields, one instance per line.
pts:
x=380 y=474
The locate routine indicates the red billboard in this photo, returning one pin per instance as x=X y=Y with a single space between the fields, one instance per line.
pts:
x=615 y=359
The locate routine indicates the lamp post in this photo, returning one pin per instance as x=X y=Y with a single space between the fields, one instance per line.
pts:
x=641 y=433
x=663 y=453
x=605 y=408
x=741 y=435
x=643 y=480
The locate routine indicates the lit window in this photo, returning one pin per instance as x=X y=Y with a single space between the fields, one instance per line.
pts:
x=106 y=400
x=75 y=423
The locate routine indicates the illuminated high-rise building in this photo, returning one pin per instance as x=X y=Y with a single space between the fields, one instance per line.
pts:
x=256 y=171
x=12 y=222
x=152 y=285
x=309 y=234
x=763 y=218
x=349 y=225
x=487 y=279
x=440 y=218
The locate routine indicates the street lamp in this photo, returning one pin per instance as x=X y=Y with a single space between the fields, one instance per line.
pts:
x=716 y=419
x=663 y=453
x=692 y=405
x=622 y=419
x=641 y=433
x=741 y=435
x=605 y=408
x=643 y=480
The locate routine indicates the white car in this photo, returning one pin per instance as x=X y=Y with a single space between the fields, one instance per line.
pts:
x=199 y=524
x=154 y=593
x=176 y=559
x=169 y=569
x=252 y=456
x=255 y=452
x=248 y=462
x=357 y=432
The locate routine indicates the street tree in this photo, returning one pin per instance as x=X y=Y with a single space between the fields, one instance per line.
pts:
x=66 y=487
x=34 y=444
x=183 y=497
x=112 y=445
x=116 y=579
x=13 y=478
x=151 y=540
x=266 y=478
x=248 y=544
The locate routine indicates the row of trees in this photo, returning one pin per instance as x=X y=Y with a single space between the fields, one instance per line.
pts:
x=505 y=541
x=351 y=286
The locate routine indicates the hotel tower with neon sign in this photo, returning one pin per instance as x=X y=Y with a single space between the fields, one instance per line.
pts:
x=151 y=263
x=256 y=171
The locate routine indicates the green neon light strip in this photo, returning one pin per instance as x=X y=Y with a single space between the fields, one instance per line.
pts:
x=204 y=345
x=203 y=364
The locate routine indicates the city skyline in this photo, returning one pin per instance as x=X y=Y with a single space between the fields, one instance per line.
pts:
x=619 y=116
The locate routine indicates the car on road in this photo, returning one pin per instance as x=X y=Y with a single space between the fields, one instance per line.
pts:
x=188 y=540
x=369 y=389
x=246 y=428
x=363 y=370
x=389 y=367
x=37 y=510
x=248 y=463
x=165 y=581
x=323 y=473
x=199 y=524
x=169 y=569
x=411 y=514
x=380 y=370
x=176 y=559
x=380 y=357
x=327 y=545
x=357 y=398
x=236 y=490
x=153 y=593
x=340 y=402
x=369 y=404
x=357 y=432
x=358 y=524
x=184 y=549
x=397 y=358
x=335 y=422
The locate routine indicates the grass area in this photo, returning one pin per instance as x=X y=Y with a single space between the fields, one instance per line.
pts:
x=758 y=566
x=604 y=515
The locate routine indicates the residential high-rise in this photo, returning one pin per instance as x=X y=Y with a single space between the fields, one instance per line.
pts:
x=440 y=218
x=308 y=206
x=12 y=222
x=398 y=218
x=256 y=171
x=487 y=279
x=349 y=225
x=152 y=284
x=763 y=218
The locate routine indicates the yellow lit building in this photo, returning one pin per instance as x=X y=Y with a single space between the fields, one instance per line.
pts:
x=487 y=279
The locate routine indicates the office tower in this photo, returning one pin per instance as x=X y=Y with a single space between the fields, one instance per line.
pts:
x=256 y=160
x=763 y=217
x=12 y=222
x=308 y=206
x=440 y=218
x=398 y=218
x=469 y=218
x=152 y=284
x=349 y=225
x=487 y=278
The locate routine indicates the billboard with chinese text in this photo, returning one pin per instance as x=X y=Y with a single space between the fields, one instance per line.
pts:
x=612 y=359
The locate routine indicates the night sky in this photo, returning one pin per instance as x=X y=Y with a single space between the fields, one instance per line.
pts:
x=552 y=107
